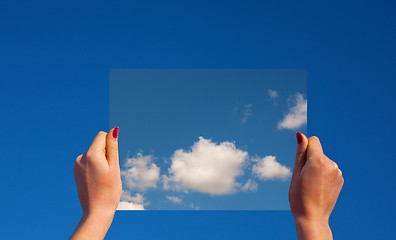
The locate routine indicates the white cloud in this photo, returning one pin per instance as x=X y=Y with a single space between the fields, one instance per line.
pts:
x=129 y=202
x=268 y=168
x=273 y=94
x=246 y=112
x=297 y=115
x=208 y=167
x=250 y=185
x=124 y=205
x=140 y=173
x=136 y=199
x=174 y=199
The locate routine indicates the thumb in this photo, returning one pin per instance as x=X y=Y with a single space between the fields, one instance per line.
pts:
x=301 y=155
x=112 y=147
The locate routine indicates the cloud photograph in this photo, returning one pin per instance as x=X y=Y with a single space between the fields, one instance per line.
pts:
x=207 y=139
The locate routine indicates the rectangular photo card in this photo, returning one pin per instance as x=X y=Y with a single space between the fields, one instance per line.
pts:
x=207 y=139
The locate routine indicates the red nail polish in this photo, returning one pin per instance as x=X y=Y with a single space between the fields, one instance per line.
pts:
x=115 y=132
x=299 y=137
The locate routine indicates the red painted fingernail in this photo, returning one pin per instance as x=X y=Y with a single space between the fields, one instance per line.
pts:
x=115 y=132
x=299 y=137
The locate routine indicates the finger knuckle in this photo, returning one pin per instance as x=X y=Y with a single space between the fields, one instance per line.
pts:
x=322 y=160
x=79 y=158
x=333 y=166
x=75 y=166
x=91 y=154
x=102 y=133
x=319 y=163
x=314 y=138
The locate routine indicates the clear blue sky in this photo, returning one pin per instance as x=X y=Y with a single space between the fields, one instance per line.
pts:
x=54 y=68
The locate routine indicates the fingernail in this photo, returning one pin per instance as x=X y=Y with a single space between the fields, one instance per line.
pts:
x=115 y=132
x=299 y=137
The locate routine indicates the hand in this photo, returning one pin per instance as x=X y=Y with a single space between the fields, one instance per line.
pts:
x=314 y=189
x=97 y=176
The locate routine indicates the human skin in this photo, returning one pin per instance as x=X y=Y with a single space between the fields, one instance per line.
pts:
x=314 y=189
x=97 y=176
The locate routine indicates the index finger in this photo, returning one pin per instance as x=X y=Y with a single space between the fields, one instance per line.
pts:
x=99 y=142
x=314 y=147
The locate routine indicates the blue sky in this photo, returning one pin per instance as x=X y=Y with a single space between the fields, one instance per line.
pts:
x=161 y=111
x=54 y=68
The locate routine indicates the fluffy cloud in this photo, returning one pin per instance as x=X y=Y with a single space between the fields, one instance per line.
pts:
x=129 y=202
x=140 y=173
x=268 y=168
x=246 y=112
x=208 y=167
x=273 y=94
x=136 y=199
x=174 y=199
x=250 y=185
x=297 y=115
x=124 y=205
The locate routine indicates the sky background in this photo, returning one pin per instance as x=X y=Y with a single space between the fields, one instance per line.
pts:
x=160 y=111
x=54 y=67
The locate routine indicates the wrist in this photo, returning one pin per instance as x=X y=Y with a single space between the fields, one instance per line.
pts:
x=313 y=228
x=98 y=218
x=99 y=214
x=93 y=226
